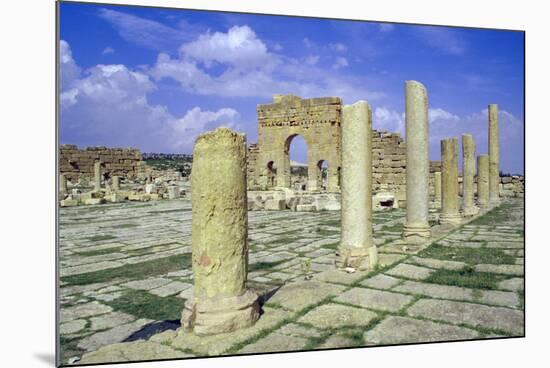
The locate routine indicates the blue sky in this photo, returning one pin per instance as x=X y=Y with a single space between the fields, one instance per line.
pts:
x=154 y=79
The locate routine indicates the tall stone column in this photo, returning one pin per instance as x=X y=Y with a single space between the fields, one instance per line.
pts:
x=483 y=181
x=116 y=182
x=62 y=184
x=221 y=302
x=449 y=182
x=437 y=188
x=417 y=228
x=494 y=156
x=97 y=176
x=356 y=185
x=468 y=173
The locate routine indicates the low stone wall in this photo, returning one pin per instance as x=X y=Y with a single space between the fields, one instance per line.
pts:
x=76 y=163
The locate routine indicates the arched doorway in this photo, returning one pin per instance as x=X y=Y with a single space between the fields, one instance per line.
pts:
x=271 y=174
x=295 y=160
x=322 y=175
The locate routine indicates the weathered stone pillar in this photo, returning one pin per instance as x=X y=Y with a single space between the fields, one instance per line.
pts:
x=356 y=184
x=449 y=182
x=417 y=228
x=468 y=173
x=221 y=303
x=97 y=176
x=116 y=182
x=483 y=181
x=437 y=188
x=62 y=184
x=494 y=156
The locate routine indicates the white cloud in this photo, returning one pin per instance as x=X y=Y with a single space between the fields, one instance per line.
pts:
x=444 y=39
x=312 y=59
x=340 y=47
x=385 y=119
x=146 y=32
x=108 y=105
x=108 y=50
x=248 y=69
x=438 y=114
x=69 y=70
x=386 y=27
x=340 y=62
x=277 y=47
x=239 y=47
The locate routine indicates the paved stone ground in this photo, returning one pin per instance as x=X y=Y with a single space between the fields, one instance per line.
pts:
x=125 y=274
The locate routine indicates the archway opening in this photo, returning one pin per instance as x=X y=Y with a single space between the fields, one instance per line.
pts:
x=296 y=157
x=322 y=174
x=271 y=174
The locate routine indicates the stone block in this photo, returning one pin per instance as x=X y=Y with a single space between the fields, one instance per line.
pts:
x=306 y=208
x=275 y=204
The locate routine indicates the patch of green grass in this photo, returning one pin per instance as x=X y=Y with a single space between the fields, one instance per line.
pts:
x=69 y=348
x=466 y=277
x=155 y=212
x=141 y=270
x=124 y=226
x=101 y=237
x=335 y=223
x=142 y=304
x=258 y=266
x=99 y=252
x=497 y=215
x=395 y=228
x=468 y=255
x=283 y=240
x=331 y=246
x=326 y=232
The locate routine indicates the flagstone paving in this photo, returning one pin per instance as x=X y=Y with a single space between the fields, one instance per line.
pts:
x=125 y=275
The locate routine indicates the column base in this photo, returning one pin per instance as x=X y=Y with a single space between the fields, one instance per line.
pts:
x=352 y=257
x=220 y=315
x=415 y=234
x=450 y=218
x=470 y=211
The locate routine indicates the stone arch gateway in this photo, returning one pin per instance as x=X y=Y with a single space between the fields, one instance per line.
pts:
x=318 y=120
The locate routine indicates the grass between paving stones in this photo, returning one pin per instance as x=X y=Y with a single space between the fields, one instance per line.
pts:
x=395 y=228
x=69 y=348
x=156 y=212
x=101 y=237
x=99 y=252
x=123 y=226
x=497 y=215
x=140 y=270
x=143 y=304
x=466 y=277
x=259 y=266
x=468 y=255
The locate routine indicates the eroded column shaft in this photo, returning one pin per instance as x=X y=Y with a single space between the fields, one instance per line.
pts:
x=62 y=184
x=483 y=181
x=417 y=228
x=356 y=184
x=97 y=176
x=468 y=173
x=494 y=155
x=437 y=188
x=116 y=182
x=221 y=302
x=449 y=182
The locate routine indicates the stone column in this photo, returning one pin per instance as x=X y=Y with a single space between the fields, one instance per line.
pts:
x=417 y=228
x=449 y=182
x=437 y=188
x=494 y=156
x=356 y=185
x=97 y=176
x=468 y=173
x=221 y=302
x=62 y=184
x=483 y=181
x=116 y=182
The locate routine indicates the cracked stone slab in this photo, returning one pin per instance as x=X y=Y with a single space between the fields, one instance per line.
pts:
x=170 y=289
x=112 y=336
x=147 y=284
x=275 y=342
x=516 y=270
x=71 y=327
x=293 y=329
x=403 y=330
x=381 y=281
x=132 y=351
x=296 y=296
x=336 y=316
x=475 y=315
x=84 y=310
x=375 y=299
x=410 y=271
x=110 y=320
x=435 y=290
x=513 y=284
x=339 y=276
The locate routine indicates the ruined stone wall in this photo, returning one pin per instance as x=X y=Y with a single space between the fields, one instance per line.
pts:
x=251 y=159
x=317 y=120
x=389 y=161
x=76 y=163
